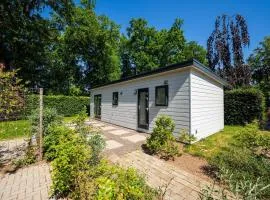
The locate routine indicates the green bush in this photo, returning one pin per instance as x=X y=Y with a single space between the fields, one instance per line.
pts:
x=243 y=106
x=50 y=116
x=114 y=182
x=185 y=137
x=162 y=140
x=72 y=157
x=65 y=105
x=245 y=160
x=56 y=134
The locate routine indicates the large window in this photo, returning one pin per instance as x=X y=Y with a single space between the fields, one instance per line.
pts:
x=115 y=99
x=162 y=96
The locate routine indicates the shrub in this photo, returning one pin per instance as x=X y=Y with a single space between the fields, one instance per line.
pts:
x=50 y=116
x=65 y=105
x=185 y=137
x=244 y=165
x=162 y=140
x=56 y=135
x=242 y=106
x=114 y=182
x=71 y=158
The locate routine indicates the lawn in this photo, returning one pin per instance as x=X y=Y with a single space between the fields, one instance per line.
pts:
x=20 y=128
x=213 y=144
x=14 y=129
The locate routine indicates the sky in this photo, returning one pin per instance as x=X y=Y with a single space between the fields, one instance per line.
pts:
x=198 y=15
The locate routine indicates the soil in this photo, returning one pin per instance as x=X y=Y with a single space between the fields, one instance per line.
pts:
x=193 y=165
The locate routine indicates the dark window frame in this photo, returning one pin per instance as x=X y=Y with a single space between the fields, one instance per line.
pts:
x=166 y=95
x=113 y=98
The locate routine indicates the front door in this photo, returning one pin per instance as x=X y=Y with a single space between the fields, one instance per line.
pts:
x=143 y=108
x=97 y=106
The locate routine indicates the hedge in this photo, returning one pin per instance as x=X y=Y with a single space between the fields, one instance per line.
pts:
x=242 y=106
x=65 y=105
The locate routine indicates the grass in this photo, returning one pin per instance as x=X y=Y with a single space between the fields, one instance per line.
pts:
x=213 y=144
x=19 y=128
x=14 y=129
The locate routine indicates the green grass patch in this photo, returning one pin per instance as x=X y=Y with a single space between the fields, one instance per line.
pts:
x=213 y=144
x=14 y=129
x=20 y=128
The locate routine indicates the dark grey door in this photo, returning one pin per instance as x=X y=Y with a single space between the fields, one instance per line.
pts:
x=97 y=106
x=143 y=108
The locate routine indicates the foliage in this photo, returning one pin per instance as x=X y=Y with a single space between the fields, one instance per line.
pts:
x=185 y=137
x=113 y=182
x=146 y=48
x=50 y=116
x=162 y=140
x=55 y=135
x=65 y=105
x=248 y=166
x=11 y=95
x=14 y=129
x=242 y=106
x=71 y=157
x=259 y=61
x=225 y=49
x=78 y=172
x=97 y=144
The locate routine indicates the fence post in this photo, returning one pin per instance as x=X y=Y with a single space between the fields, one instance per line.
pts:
x=40 y=122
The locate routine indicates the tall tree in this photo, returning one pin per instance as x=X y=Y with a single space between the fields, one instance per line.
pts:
x=146 y=48
x=225 y=49
x=259 y=61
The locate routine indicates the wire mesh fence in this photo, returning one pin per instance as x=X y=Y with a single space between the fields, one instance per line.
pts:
x=15 y=127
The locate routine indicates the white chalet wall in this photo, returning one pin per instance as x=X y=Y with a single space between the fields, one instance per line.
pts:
x=125 y=114
x=207 y=105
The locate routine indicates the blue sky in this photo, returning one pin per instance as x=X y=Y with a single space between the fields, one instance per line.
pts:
x=198 y=15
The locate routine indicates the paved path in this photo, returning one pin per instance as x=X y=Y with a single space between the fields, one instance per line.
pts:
x=30 y=183
x=179 y=184
x=123 y=146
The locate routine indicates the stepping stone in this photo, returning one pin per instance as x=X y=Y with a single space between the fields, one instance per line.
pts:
x=134 y=138
x=119 y=132
x=112 y=144
x=98 y=125
x=108 y=128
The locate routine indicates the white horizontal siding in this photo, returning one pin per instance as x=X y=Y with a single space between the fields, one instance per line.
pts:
x=125 y=114
x=207 y=105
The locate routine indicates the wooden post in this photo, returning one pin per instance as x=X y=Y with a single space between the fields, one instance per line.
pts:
x=40 y=123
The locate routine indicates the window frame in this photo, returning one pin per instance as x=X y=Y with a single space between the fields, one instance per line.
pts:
x=113 y=95
x=166 y=95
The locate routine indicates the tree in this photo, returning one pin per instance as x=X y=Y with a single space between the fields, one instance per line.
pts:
x=145 y=48
x=259 y=61
x=225 y=49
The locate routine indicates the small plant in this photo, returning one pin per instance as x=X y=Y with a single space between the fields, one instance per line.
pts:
x=185 y=137
x=50 y=116
x=97 y=144
x=162 y=140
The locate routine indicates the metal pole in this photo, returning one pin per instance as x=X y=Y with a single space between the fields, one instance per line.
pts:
x=40 y=122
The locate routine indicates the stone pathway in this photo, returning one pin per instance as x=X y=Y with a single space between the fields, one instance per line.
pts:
x=30 y=183
x=124 y=148
x=177 y=183
x=119 y=140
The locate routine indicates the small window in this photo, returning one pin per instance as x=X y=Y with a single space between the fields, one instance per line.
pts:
x=115 y=99
x=162 y=95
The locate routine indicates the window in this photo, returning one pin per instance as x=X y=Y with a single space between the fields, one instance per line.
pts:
x=162 y=95
x=115 y=99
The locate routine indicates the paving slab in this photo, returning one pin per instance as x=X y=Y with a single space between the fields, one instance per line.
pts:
x=118 y=132
x=112 y=144
x=108 y=128
x=135 y=138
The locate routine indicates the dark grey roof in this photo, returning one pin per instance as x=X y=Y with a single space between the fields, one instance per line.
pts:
x=193 y=62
